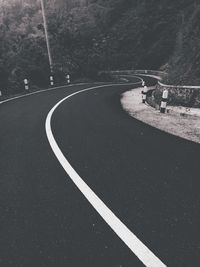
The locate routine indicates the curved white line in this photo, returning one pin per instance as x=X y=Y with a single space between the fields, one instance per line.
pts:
x=39 y=91
x=135 y=245
x=140 y=80
x=133 y=76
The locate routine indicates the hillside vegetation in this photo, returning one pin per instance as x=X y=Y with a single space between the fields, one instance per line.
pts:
x=91 y=35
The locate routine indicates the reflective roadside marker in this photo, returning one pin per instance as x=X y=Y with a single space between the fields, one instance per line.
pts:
x=144 y=94
x=26 y=84
x=0 y=93
x=164 y=101
x=143 y=83
x=68 y=78
x=51 y=80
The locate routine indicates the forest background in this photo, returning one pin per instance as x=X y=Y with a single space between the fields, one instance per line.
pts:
x=91 y=35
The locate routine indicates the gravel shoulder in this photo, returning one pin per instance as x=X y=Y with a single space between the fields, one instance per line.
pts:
x=178 y=121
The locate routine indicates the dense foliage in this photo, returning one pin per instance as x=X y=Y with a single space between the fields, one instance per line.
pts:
x=89 y=35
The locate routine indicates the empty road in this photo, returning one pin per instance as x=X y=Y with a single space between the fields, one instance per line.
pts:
x=147 y=178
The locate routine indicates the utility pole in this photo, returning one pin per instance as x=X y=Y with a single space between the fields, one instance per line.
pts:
x=47 y=42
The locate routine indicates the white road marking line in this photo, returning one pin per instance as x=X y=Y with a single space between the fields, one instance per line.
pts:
x=33 y=93
x=41 y=91
x=135 y=245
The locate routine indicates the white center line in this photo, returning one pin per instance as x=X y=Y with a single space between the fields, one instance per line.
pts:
x=129 y=238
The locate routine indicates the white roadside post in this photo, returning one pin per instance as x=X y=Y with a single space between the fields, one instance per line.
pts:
x=26 y=84
x=0 y=93
x=143 y=83
x=68 y=78
x=144 y=94
x=164 y=101
x=51 y=81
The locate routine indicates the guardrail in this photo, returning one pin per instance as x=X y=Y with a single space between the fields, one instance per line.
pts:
x=159 y=74
x=179 y=95
x=185 y=95
x=179 y=86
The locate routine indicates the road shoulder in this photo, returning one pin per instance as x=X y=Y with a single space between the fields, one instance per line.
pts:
x=179 y=121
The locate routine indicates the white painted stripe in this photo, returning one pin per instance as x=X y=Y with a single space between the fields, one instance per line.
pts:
x=133 y=76
x=46 y=90
x=135 y=245
x=41 y=91
x=163 y=104
x=140 y=80
x=151 y=75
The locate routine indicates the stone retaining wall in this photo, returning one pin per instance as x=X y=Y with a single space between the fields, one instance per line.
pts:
x=188 y=96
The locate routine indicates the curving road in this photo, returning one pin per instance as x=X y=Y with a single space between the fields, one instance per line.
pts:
x=149 y=179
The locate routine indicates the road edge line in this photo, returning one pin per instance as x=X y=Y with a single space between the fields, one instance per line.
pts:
x=40 y=91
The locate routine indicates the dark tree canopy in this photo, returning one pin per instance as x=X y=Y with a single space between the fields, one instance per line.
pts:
x=90 y=35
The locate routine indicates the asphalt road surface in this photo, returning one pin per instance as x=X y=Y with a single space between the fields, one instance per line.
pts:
x=148 y=178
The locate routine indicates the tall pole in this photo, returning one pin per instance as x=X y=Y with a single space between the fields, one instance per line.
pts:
x=47 y=37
